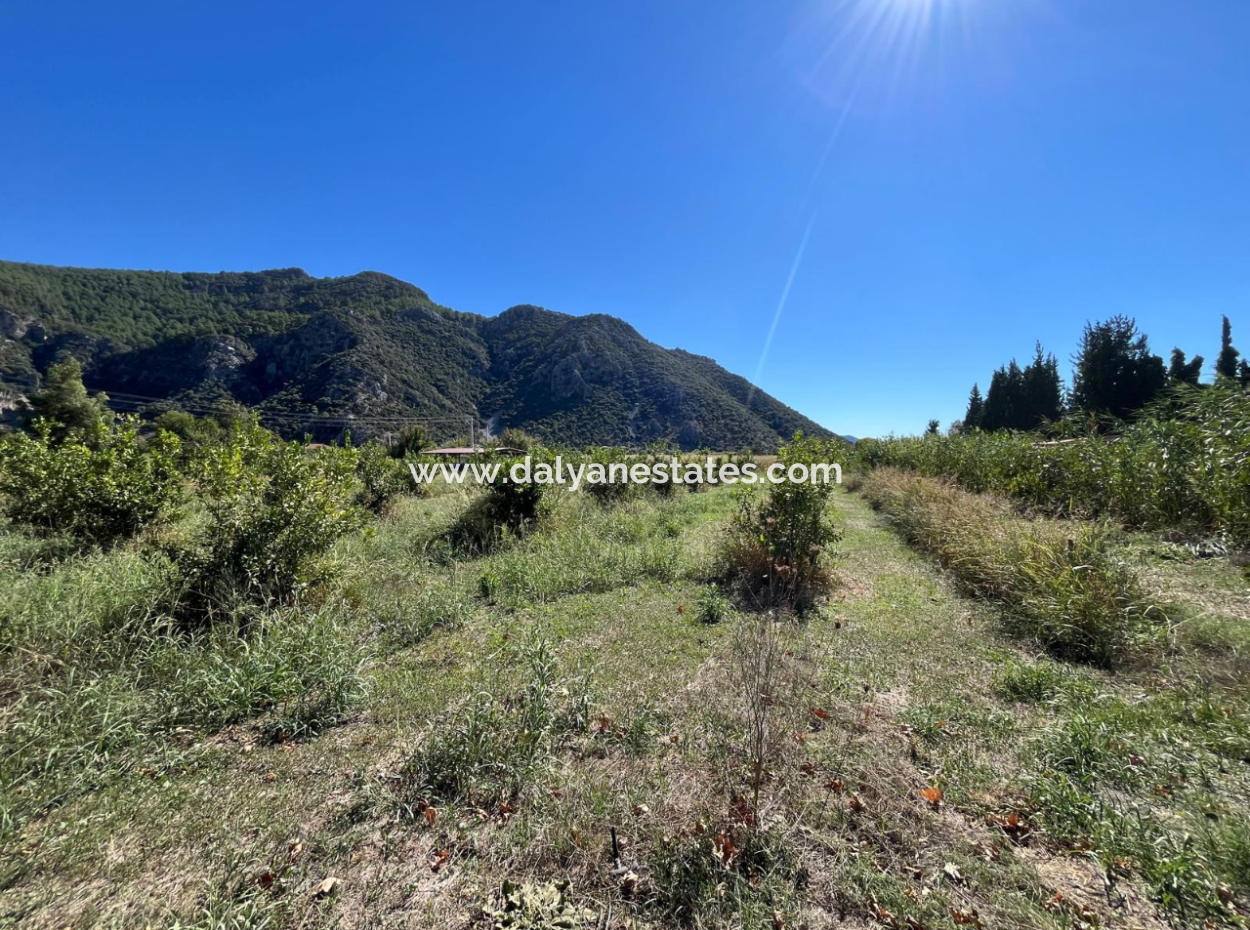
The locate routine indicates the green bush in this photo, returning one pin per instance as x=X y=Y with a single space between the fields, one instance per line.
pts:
x=599 y=459
x=778 y=541
x=507 y=508
x=412 y=440
x=102 y=492
x=194 y=432
x=382 y=478
x=273 y=507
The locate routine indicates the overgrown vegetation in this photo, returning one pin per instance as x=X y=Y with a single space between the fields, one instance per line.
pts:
x=1183 y=465
x=298 y=698
x=100 y=491
x=1060 y=584
x=271 y=509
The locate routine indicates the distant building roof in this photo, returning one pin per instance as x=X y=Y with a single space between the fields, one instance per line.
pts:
x=472 y=450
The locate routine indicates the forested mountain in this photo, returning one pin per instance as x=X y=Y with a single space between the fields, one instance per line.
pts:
x=369 y=346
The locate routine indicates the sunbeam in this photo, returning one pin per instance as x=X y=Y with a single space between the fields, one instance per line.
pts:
x=781 y=306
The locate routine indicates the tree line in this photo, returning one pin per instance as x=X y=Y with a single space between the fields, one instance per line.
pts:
x=1114 y=376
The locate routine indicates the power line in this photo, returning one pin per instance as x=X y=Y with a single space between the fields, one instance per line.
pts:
x=134 y=403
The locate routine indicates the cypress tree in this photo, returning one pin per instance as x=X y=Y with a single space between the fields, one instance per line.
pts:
x=1183 y=372
x=1226 y=364
x=1005 y=405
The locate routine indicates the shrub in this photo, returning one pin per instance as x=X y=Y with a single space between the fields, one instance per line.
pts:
x=777 y=541
x=515 y=438
x=272 y=508
x=382 y=478
x=412 y=440
x=599 y=474
x=507 y=508
x=194 y=432
x=101 y=493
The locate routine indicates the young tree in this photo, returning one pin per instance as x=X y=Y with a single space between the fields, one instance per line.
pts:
x=64 y=403
x=1183 y=372
x=1114 y=370
x=1226 y=364
x=412 y=440
x=976 y=410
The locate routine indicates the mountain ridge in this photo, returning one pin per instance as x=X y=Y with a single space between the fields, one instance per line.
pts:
x=370 y=346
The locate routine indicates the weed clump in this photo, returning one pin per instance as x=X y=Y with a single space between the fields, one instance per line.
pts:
x=1034 y=683
x=730 y=869
x=491 y=749
x=535 y=907
x=713 y=604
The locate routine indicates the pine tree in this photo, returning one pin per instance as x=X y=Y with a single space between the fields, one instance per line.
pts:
x=1226 y=364
x=1114 y=371
x=934 y=426
x=1183 y=372
x=976 y=410
x=1005 y=402
x=1041 y=398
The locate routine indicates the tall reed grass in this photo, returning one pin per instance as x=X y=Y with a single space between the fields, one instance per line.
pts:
x=1184 y=465
x=1058 y=582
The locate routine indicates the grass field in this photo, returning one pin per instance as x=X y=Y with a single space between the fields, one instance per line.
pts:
x=432 y=739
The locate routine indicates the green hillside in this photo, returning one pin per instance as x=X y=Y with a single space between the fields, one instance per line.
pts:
x=370 y=348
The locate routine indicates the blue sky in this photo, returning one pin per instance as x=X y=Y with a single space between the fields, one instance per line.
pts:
x=967 y=176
